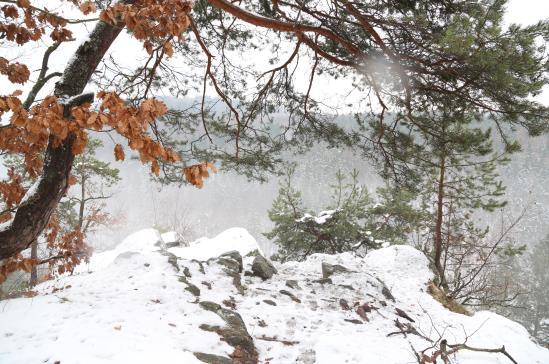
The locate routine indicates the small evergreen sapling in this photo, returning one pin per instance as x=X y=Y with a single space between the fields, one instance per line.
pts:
x=351 y=221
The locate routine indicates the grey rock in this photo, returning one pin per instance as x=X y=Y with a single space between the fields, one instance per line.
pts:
x=387 y=293
x=323 y=281
x=234 y=332
x=261 y=267
x=292 y=284
x=291 y=295
x=172 y=259
x=403 y=314
x=194 y=290
x=231 y=260
x=173 y=239
x=237 y=281
x=354 y=321
x=200 y=266
x=330 y=269
x=232 y=266
x=344 y=304
x=187 y=272
x=212 y=359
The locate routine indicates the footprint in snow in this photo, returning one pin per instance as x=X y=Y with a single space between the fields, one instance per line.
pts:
x=290 y=326
x=313 y=304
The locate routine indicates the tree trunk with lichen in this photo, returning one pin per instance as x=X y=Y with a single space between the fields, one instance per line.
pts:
x=33 y=214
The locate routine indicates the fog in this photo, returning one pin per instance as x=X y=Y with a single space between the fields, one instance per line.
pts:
x=229 y=200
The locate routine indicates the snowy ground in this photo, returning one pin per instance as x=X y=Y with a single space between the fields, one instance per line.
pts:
x=136 y=304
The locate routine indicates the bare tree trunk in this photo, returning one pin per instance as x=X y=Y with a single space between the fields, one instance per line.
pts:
x=34 y=213
x=34 y=270
x=439 y=222
x=82 y=203
x=536 y=321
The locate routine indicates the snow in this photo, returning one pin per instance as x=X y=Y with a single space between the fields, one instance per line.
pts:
x=171 y=237
x=322 y=217
x=31 y=191
x=120 y=313
x=128 y=306
x=232 y=239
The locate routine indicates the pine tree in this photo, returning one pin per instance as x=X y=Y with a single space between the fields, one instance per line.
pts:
x=85 y=211
x=354 y=220
x=450 y=160
x=401 y=54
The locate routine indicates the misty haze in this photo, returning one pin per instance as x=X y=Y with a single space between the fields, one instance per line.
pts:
x=328 y=181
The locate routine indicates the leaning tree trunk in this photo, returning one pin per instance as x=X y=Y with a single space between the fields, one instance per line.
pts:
x=33 y=214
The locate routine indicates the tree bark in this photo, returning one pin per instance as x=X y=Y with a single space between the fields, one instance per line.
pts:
x=82 y=203
x=34 y=212
x=34 y=270
x=439 y=221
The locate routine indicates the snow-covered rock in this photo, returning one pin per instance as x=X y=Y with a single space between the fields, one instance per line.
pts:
x=232 y=239
x=140 y=303
x=173 y=239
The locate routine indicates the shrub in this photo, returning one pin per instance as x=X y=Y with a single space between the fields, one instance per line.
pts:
x=353 y=220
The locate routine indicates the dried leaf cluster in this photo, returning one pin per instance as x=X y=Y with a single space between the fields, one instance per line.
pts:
x=196 y=173
x=157 y=24
x=66 y=251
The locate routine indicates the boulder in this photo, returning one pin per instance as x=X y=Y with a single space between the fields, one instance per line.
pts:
x=231 y=260
x=263 y=268
x=234 y=332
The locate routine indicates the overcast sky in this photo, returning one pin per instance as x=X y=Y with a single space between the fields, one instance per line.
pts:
x=529 y=12
x=519 y=11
